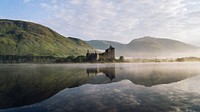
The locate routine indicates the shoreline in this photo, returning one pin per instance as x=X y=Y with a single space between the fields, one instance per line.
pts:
x=95 y=63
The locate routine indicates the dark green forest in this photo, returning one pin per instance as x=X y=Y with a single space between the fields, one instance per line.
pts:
x=40 y=59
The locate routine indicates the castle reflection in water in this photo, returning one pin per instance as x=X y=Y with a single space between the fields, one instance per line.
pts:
x=108 y=71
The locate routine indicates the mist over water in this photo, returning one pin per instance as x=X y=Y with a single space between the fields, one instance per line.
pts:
x=162 y=55
x=100 y=87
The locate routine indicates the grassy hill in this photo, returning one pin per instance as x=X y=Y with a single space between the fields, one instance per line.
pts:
x=26 y=38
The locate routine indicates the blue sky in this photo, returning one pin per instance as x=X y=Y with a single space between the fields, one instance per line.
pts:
x=117 y=20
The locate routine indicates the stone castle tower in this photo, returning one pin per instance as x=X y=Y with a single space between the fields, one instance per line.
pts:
x=108 y=55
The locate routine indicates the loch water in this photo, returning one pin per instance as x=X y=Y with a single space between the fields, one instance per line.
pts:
x=112 y=87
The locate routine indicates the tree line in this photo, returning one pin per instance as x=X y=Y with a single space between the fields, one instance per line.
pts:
x=40 y=59
x=47 y=59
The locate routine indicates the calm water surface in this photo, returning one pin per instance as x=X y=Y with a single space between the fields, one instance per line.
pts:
x=146 y=87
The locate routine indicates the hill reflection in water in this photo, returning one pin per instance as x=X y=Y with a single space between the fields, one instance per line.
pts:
x=27 y=84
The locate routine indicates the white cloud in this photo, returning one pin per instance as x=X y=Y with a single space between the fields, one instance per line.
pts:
x=45 y=5
x=124 y=20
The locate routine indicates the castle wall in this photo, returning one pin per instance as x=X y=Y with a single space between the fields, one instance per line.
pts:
x=92 y=56
x=109 y=54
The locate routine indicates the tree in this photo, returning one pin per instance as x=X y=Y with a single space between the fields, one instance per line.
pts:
x=121 y=58
x=80 y=59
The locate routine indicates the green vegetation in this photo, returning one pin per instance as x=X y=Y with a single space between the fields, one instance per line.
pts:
x=26 y=38
x=143 y=60
x=82 y=59
x=72 y=59
x=121 y=58
x=188 y=59
x=41 y=59
x=146 y=60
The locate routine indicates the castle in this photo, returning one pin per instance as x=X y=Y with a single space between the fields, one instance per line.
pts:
x=108 y=55
x=108 y=71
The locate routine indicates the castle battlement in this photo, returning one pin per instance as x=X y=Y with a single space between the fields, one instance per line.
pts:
x=108 y=55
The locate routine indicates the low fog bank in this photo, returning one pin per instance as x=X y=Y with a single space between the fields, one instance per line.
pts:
x=159 y=55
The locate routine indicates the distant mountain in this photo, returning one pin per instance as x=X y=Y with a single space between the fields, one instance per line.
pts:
x=27 y=38
x=149 y=47
x=159 y=44
x=103 y=44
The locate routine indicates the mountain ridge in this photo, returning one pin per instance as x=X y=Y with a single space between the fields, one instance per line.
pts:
x=149 y=46
x=27 y=38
